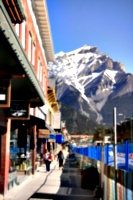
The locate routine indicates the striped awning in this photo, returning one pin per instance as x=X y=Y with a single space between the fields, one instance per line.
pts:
x=52 y=102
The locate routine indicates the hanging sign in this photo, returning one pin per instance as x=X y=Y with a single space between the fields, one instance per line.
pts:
x=5 y=93
x=43 y=133
x=19 y=110
x=51 y=140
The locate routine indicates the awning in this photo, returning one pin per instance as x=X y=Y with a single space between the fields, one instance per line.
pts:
x=50 y=128
x=14 y=64
x=40 y=123
x=60 y=138
x=52 y=102
x=57 y=130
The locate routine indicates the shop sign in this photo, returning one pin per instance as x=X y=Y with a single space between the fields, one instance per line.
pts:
x=51 y=140
x=5 y=93
x=19 y=110
x=43 y=133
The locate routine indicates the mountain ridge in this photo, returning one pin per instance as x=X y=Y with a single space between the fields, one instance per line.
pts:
x=87 y=79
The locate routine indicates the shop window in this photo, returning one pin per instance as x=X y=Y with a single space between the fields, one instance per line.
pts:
x=17 y=29
x=40 y=114
x=29 y=50
x=23 y=34
x=39 y=151
x=40 y=73
x=20 y=154
x=13 y=157
x=36 y=112
x=31 y=111
x=43 y=83
x=38 y=69
x=33 y=55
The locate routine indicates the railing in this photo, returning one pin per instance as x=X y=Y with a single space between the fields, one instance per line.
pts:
x=93 y=152
x=124 y=154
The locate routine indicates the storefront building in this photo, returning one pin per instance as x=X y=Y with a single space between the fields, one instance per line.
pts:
x=125 y=130
x=25 y=48
x=52 y=110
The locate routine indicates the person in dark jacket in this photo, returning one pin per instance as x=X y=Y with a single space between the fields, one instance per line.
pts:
x=60 y=159
x=50 y=159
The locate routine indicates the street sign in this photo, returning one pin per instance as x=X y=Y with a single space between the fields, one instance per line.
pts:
x=19 y=110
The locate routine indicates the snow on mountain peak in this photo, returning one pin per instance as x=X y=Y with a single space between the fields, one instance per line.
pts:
x=61 y=53
x=111 y=74
x=87 y=79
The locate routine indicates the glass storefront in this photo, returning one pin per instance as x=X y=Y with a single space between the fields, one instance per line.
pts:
x=20 y=161
x=39 y=151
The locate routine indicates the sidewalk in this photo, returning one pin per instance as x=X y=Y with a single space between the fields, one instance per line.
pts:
x=56 y=184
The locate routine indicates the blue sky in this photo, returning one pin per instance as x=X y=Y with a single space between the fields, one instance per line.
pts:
x=107 y=24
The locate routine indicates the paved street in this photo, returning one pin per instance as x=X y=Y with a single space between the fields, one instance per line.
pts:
x=56 y=184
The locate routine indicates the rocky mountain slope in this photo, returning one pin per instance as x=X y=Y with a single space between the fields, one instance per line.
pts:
x=92 y=84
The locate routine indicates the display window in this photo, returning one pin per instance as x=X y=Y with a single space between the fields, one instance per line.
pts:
x=20 y=160
x=39 y=151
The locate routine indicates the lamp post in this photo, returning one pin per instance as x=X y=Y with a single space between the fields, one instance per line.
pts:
x=115 y=149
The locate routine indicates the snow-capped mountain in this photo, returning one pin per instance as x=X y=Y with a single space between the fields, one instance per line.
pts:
x=88 y=79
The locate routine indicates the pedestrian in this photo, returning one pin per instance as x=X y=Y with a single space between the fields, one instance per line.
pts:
x=50 y=159
x=60 y=159
x=46 y=156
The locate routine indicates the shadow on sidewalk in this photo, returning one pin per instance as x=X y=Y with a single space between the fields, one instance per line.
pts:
x=70 y=184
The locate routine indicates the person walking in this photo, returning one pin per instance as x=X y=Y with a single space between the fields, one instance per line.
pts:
x=46 y=156
x=50 y=159
x=60 y=159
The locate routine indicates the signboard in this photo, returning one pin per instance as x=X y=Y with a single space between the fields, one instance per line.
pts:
x=19 y=110
x=43 y=133
x=51 y=140
x=57 y=120
x=5 y=93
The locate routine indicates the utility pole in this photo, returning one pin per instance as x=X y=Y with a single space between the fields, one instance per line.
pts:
x=115 y=150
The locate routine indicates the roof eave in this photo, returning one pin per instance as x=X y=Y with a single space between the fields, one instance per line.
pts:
x=41 y=13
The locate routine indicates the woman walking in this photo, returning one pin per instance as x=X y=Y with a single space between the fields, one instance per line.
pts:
x=46 y=156
x=60 y=159
x=50 y=159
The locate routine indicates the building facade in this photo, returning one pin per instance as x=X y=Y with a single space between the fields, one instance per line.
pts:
x=25 y=49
